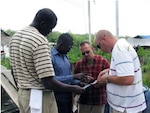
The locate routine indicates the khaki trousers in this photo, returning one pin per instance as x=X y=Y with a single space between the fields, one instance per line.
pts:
x=91 y=108
x=48 y=101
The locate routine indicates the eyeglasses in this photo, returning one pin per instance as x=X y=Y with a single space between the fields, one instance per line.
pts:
x=99 y=46
x=86 y=52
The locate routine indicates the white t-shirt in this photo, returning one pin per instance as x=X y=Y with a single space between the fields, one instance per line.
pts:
x=125 y=62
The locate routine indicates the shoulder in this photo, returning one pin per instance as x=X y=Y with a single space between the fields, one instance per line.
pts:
x=98 y=57
x=79 y=62
x=101 y=59
x=34 y=34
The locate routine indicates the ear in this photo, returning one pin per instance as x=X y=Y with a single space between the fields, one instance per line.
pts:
x=60 y=44
x=104 y=37
x=42 y=24
x=92 y=48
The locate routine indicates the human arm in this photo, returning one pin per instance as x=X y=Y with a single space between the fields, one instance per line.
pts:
x=68 y=79
x=71 y=78
x=63 y=70
x=53 y=84
x=45 y=71
x=127 y=80
x=65 y=79
x=121 y=70
x=119 y=80
x=80 y=79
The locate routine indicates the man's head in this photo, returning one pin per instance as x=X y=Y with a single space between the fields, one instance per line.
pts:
x=45 y=20
x=105 y=40
x=87 y=50
x=64 y=43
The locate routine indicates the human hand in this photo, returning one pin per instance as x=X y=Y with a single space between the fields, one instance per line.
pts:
x=102 y=78
x=82 y=84
x=103 y=72
x=79 y=76
x=89 y=78
x=98 y=84
x=83 y=77
x=77 y=89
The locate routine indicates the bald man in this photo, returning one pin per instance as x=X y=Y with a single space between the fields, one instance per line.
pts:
x=124 y=78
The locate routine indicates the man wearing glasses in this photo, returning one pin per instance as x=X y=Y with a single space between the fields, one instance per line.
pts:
x=94 y=98
x=124 y=78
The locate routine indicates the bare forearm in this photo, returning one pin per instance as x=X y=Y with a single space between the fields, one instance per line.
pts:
x=51 y=83
x=128 y=80
x=119 y=80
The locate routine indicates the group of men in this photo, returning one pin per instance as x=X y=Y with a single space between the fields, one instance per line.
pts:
x=46 y=72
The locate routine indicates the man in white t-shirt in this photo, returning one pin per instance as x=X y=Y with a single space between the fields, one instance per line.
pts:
x=124 y=78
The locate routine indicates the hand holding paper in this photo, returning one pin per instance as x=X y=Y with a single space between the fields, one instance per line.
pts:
x=88 y=85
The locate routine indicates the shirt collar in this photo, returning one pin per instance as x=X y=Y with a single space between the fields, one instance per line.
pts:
x=54 y=51
x=85 y=60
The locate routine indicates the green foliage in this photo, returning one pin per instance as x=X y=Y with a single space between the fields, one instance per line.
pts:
x=146 y=79
x=52 y=37
x=74 y=54
x=5 y=62
x=10 y=32
x=99 y=52
x=144 y=56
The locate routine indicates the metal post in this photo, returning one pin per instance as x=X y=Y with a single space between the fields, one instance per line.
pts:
x=117 y=20
x=89 y=17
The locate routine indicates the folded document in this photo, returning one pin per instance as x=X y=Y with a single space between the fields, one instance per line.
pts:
x=88 y=85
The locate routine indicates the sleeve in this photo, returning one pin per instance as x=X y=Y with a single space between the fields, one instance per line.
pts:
x=123 y=63
x=65 y=79
x=106 y=64
x=42 y=61
x=75 y=82
x=76 y=68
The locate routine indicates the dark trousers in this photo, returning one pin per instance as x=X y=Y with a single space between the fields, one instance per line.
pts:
x=147 y=96
x=64 y=107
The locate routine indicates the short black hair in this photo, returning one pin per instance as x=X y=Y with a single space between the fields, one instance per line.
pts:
x=46 y=15
x=64 y=38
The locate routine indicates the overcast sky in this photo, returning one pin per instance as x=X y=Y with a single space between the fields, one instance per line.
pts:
x=134 y=15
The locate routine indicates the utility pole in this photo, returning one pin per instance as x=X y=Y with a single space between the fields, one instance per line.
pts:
x=89 y=20
x=117 y=20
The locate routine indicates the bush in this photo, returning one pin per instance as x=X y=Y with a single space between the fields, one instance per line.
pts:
x=146 y=79
x=5 y=62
